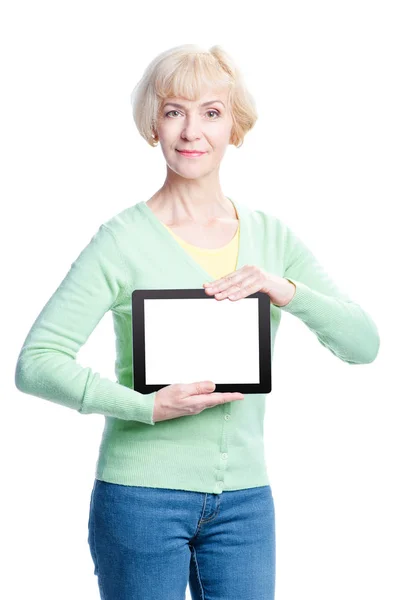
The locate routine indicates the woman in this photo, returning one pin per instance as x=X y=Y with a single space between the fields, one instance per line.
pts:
x=181 y=493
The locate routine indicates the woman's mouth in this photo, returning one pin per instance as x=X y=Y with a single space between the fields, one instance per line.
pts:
x=191 y=154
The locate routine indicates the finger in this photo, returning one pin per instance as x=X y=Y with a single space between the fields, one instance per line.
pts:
x=219 y=293
x=222 y=397
x=243 y=288
x=198 y=387
x=224 y=283
x=249 y=286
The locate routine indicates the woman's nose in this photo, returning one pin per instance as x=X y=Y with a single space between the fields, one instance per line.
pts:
x=191 y=128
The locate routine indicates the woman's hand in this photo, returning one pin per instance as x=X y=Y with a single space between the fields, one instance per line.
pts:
x=182 y=399
x=249 y=280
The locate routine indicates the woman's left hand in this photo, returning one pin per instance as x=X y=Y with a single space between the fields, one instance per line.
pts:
x=249 y=280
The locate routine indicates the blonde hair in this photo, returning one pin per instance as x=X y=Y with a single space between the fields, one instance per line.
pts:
x=184 y=71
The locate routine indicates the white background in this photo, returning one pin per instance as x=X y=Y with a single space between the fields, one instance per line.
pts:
x=323 y=157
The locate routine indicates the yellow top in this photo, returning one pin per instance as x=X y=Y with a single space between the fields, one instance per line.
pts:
x=216 y=261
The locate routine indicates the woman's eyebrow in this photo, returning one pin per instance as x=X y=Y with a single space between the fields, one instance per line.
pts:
x=182 y=106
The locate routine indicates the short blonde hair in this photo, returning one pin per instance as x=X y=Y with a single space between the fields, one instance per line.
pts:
x=184 y=71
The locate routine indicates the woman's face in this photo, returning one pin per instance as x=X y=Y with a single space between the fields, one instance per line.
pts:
x=203 y=125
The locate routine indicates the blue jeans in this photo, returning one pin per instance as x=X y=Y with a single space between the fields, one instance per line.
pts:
x=150 y=543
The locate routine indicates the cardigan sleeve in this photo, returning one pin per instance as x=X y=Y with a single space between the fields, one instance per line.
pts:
x=340 y=324
x=46 y=365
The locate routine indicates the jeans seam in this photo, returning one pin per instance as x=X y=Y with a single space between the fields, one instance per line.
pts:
x=200 y=519
x=210 y=518
x=99 y=582
x=94 y=543
x=198 y=573
x=91 y=537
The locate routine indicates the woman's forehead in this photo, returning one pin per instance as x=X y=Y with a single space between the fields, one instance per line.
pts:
x=207 y=97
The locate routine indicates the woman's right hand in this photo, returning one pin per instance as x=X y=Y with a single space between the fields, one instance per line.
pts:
x=180 y=399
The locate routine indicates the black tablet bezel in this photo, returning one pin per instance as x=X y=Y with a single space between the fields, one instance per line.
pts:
x=138 y=340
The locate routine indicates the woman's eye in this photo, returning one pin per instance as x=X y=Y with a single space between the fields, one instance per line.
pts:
x=209 y=111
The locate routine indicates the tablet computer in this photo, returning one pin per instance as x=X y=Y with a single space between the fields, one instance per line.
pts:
x=185 y=335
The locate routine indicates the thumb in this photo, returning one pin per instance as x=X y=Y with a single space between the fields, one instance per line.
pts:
x=201 y=387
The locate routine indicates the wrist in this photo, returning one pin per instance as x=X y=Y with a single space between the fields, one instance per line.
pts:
x=290 y=293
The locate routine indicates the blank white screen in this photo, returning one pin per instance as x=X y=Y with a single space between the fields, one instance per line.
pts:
x=193 y=339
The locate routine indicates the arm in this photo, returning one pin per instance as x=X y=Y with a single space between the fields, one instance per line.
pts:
x=47 y=366
x=340 y=325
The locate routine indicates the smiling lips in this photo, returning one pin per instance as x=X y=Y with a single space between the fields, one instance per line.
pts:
x=190 y=153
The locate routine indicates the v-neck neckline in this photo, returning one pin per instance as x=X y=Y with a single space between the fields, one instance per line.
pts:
x=159 y=226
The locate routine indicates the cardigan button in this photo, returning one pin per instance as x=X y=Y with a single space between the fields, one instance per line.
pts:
x=227 y=417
